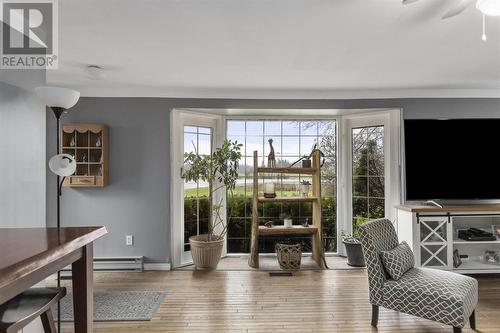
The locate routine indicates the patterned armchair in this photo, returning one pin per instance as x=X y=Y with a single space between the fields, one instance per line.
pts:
x=437 y=295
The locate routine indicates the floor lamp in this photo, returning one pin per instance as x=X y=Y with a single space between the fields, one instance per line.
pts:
x=59 y=100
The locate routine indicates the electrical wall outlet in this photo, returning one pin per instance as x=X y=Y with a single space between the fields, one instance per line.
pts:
x=129 y=240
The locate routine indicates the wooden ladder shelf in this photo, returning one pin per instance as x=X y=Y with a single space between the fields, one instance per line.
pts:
x=315 y=230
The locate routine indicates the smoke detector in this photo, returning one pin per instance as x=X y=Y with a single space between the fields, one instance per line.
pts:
x=95 y=72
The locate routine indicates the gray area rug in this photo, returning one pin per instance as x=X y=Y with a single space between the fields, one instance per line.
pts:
x=117 y=306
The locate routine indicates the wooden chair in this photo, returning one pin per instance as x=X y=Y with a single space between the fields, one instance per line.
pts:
x=29 y=305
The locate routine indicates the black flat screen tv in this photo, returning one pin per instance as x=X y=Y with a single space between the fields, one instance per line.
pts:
x=456 y=159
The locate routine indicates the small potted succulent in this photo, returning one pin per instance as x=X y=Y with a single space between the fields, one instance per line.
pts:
x=287 y=219
x=305 y=187
x=353 y=250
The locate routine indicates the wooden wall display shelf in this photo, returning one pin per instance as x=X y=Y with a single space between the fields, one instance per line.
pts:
x=88 y=143
x=315 y=230
x=282 y=230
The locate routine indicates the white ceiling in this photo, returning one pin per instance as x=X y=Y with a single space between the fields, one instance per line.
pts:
x=276 y=49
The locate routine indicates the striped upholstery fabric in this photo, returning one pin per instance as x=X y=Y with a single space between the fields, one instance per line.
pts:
x=442 y=296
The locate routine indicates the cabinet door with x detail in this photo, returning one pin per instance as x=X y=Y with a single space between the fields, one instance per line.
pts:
x=434 y=235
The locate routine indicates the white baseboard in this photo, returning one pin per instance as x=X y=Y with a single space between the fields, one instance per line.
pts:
x=161 y=266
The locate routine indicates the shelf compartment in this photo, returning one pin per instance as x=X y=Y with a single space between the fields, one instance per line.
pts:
x=288 y=199
x=68 y=138
x=309 y=171
x=82 y=139
x=82 y=170
x=69 y=151
x=282 y=230
x=95 y=156
x=476 y=265
x=82 y=155
x=464 y=242
x=95 y=140
x=95 y=170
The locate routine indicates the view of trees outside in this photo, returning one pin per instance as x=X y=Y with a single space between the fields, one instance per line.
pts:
x=367 y=174
x=291 y=140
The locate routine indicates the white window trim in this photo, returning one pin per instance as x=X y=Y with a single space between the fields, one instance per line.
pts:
x=392 y=122
x=179 y=118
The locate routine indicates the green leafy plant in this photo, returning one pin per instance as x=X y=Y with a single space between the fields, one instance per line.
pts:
x=350 y=239
x=285 y=216
x=220 y=171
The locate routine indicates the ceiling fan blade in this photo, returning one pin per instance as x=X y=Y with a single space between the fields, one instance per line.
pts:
x=458 y=8
x=405 y=2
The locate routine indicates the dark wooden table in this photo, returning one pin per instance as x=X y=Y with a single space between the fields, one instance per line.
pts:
x=29 y=255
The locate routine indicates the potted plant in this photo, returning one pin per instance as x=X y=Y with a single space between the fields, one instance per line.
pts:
x=353 y=250
x=305 y=187
x=306 y=161
x=287 y=219
x=220 y=171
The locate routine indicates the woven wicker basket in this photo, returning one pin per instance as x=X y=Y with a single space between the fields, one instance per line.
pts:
x=289 y=256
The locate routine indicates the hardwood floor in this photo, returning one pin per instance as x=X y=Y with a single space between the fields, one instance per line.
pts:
x=254 y=302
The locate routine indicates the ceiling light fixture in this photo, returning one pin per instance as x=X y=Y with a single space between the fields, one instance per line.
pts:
x=486 y=7
x=483 y=37
x=489 y=7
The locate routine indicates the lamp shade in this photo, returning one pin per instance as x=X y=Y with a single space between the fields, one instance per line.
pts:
x=58 y=97
x=63 y=165
x=489 y=7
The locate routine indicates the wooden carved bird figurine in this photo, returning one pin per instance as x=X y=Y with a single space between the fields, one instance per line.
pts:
x=271 y=159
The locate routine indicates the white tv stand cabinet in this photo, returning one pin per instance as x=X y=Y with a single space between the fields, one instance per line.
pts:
x=432 y=233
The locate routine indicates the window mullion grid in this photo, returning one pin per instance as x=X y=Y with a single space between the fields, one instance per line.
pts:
x=197 y=188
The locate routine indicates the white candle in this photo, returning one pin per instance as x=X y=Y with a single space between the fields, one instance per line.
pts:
x=269 y=188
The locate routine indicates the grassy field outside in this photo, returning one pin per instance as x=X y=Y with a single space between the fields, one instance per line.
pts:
x=239 y=191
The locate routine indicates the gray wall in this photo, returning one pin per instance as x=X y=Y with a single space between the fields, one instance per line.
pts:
x=137 y=199
x=22 y=156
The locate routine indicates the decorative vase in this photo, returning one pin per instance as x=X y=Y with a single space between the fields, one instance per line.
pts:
x=269 y=190
x=72 y=142
x=98 y=142
x=289 y=256
x=206 y=253
x=288 y=223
